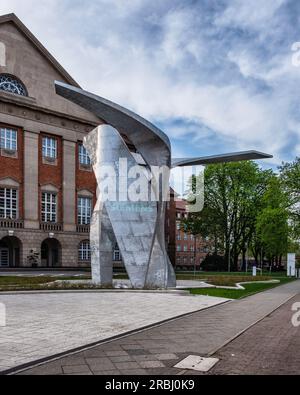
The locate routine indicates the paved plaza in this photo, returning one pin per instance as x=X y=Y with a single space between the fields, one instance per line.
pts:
x=43 y=324
x=157 y=350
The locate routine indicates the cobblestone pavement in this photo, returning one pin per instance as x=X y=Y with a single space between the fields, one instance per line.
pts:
x=270 y=347
x=40 y=325
x=157 y=350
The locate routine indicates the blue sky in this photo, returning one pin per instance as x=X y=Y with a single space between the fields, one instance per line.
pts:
x=215 y=75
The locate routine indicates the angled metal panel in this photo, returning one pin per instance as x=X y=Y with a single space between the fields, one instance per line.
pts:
x=224 y=158
x=141 y=240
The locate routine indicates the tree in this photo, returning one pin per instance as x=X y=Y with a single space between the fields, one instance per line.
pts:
x=272 y=222
x=233 y=192
x=290 y=177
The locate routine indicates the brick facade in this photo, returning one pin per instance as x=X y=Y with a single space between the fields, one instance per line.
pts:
x=186 y=251
x=85 y=178
x=41 y=113
x=12 y=167
x=51 y=174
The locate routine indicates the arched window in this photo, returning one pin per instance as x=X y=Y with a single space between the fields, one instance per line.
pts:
x=11 y=84
x=84 y=251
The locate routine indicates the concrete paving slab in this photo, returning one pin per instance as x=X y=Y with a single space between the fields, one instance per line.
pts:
x=204 y=333
x=44 y=324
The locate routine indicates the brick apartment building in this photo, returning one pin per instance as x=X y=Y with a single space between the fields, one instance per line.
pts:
x=47 y=186
x=186 y=251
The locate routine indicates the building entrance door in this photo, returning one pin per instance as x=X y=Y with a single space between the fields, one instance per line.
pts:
x=51 y=253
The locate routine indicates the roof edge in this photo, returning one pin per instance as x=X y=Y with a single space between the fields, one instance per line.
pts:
x=20 y=25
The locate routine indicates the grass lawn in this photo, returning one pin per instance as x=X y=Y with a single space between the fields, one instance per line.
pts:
x=226 y=280
x=220 y=278
x=16 y=283
x=191 y=275
x=250 y=289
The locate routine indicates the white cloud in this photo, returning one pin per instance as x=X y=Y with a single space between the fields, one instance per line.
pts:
x=250 y=14
x=181 y=60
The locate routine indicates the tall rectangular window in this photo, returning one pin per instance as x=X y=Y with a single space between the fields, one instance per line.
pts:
x=117 y=256
x=49 y=207
x=84 y=158
x=84 y=251
x=49 y=147
x=8 y=203
x=84 y=210
x=9 y=139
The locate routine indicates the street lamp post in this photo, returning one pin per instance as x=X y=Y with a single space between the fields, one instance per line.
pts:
x=229 y=259
x=195 y=255
x=247 y=258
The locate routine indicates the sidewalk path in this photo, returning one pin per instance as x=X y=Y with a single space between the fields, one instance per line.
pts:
x=157 y=350
x=40 y=325
x=270 y=347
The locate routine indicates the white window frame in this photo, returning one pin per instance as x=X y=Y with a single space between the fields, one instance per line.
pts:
x=9 y=203
x=84 y=251
x=49 y=147
x=84 y=210
x=117 y=255
x=84 y=158
x=9 y=139
x=49 y=207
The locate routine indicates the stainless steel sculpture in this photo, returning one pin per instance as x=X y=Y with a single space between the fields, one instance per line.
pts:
x=137 y=227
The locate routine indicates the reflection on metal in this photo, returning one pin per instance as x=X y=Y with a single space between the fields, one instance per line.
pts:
x=138 y=227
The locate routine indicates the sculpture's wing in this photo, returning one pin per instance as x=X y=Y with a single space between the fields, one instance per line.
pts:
x=224 y=158
x=154 y=149
x=150 y=141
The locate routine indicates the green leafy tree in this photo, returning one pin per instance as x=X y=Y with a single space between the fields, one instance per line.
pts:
x=233 y=192
x=272 y=222
x=290 y=177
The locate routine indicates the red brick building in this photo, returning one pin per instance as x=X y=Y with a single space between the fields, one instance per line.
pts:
x=47 y=186
x=186 y=251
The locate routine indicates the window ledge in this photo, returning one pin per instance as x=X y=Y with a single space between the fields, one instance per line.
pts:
x=85 y=167
x=49 y=161
x=9 y=153
x=11 y=97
